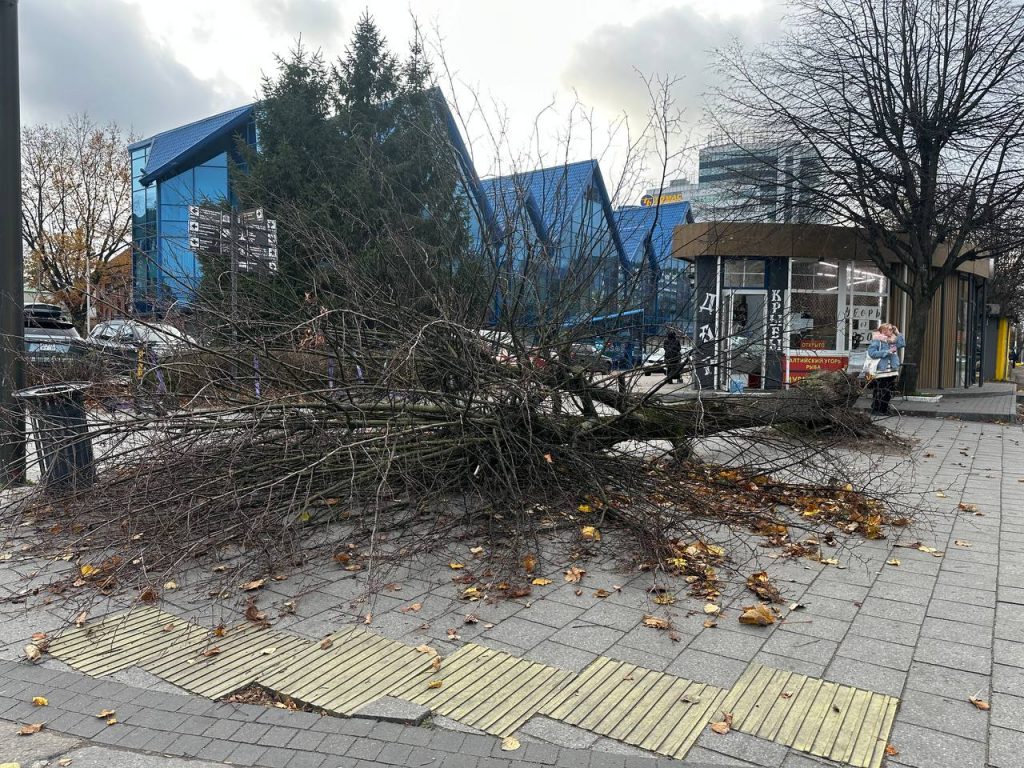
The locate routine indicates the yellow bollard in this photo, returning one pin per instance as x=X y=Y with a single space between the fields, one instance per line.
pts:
x=140 y=369
x=1003 y=350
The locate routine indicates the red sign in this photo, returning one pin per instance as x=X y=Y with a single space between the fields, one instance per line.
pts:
x=802 y=366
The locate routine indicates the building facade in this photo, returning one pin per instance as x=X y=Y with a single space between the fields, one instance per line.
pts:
x=777 y=302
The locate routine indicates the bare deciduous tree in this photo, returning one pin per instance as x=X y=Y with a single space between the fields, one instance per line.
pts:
x=76 y=206
x=914 y=110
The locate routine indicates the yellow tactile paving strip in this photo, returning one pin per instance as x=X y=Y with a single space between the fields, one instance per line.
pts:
x=845 y=724
x=217 y=666
x=651 y=710
x=490 y=690
x=357 y=667
x=123 y=640
x=486 y=689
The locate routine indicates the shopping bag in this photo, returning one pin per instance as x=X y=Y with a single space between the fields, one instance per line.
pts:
x=870 y=369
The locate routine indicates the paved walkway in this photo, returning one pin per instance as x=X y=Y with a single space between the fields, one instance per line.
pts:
x=932 y=631
x=995 y=401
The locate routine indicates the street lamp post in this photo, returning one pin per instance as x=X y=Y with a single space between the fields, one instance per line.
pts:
x=12 y=300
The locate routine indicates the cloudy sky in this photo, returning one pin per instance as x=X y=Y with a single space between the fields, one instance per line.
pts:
x=516 y=68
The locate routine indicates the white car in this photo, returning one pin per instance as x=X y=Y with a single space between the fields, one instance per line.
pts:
x=126 y=336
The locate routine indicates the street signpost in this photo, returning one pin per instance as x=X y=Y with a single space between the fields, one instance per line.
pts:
x=248 y=239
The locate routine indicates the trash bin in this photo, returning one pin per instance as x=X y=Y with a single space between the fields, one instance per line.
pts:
x=61 y=434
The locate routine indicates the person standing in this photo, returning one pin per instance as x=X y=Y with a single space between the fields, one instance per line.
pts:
x=885 y=347
x=673 y=357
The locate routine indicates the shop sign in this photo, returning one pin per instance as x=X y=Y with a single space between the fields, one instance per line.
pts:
x=776 y=320
x=670 y=197
x=802 y=366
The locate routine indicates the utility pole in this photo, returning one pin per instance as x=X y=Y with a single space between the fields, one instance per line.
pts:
x=12 y=299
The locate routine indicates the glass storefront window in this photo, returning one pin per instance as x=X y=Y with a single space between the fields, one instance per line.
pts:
x=744 y=273
x=814 y=304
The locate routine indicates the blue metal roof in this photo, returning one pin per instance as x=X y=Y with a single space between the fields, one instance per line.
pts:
x=638 y=223
x=553 y=193
x=169 y=150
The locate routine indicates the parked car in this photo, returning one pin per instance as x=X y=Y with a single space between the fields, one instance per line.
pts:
x=50 y=336
x=654 y=362
x=582 y=354
x=123 y=338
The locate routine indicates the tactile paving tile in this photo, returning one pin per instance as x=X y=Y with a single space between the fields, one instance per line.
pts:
x=357 y=668
x=124 y=639
x=216 y=666
x=651 y=710
x=487 y=689
x=838 y=722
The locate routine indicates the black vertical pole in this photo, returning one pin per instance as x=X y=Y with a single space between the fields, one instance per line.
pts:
x=233 y=251
x=12 y=299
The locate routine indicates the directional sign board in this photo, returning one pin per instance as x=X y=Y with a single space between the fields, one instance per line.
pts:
x=252 y=237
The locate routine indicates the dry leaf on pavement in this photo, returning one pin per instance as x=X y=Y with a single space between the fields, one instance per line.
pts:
x=28 y=730
x=574 y=574
x=39 y=701
x=759 y=615
x=711 y=608
x=106 y=713
x=724 y=725
x=32 y=652
x=590 y=533
x=891 y=751
x=529 y=563
x=435 y=683
x=656 y=622
x=540 y=581
x=326 y=643
x=249 y=586
x=509 y=744
x=981 y=704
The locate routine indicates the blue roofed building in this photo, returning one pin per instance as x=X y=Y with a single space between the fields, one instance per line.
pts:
x=661 y=286
x=560 y=246
x=189 y=165
x=183 y=166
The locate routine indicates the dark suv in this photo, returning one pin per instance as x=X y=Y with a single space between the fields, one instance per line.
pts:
x=50 y=336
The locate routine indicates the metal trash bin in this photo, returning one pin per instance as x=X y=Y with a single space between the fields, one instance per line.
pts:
x=61 y=434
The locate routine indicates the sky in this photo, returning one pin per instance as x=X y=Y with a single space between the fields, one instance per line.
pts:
x=535 y=82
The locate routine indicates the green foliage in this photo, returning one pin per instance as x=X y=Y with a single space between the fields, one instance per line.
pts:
x=355 y=162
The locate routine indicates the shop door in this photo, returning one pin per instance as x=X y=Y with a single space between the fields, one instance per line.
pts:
x=744 y=336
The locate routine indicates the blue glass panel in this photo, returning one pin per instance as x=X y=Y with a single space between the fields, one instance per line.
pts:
x=173 y=228
x=173 y=213
x=151 y=197
x=220 y=161
x=179 y=273
x=139 y=203
x=178 y=189
x=211 y=184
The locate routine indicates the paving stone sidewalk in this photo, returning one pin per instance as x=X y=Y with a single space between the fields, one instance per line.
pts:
x=933 y=631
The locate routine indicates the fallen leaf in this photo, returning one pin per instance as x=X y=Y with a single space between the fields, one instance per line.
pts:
x=602 y=593
x=574 y=574
x=456 y=566
x=64 y=762
x=249 y=586
x=548 y=458
x=509 y=744
x=656 y=622
x=268 y=651
x=578 y=592
x=39 y=701
x=111 y=721
x=28 y=730
x=435 y=663
x=521 y=590
x=759 y=615
x=81 y=618
x=891 y=751
x=106 y=713
x=710 y=623
x=786 y=695
x=219 y=631
x=326 y=643
x=724 y=725
x=427 y=649
x=471 y=593
x=529 y=563
x=435 y=683
x=981 y=704
x=665 y=598
x=894 y=561
x=940 y=495
x=32 y=652
x=367 y=618
x=88 y=570
x=212 y=651
x=962 y=543
x=540 y=581
x=711 y=608
x=590 y=533
x=411 y=608
x=584 y=508
x=149 y=595
x=476 y=550
x=254 y=614
x=169 y=585
x=453 y=634
x=761 y=585
x=470 y=618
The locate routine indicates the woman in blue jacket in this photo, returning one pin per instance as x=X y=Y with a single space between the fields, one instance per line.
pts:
x=885 y=347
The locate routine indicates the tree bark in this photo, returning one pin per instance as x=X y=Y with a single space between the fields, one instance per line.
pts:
x=913 y=335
